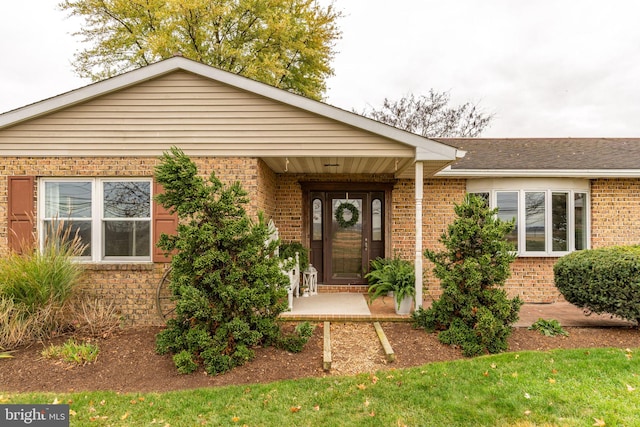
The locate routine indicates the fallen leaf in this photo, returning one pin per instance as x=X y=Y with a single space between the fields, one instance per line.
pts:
x=235 y=419
x=372 y=414
x=527 y=396
x=295 y=409
x=514 y=375
x=599 y=423
x=316 y=408
x=629 y=388
x=517 y=356
x=527 y=412
x=552 y=381
x=366 y=402
x=361 y=386
x=485 y=373
x=494 y=366
x=55 y=401
x=125 y=416
x=374 y=379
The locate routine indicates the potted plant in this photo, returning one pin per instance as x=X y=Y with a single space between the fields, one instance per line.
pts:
x=288 y=250
x=393 y=275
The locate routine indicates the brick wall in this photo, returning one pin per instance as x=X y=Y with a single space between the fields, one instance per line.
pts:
x=132 y=287
x=531 y=279
x=615 y=204
x=288 y=212
x=615 y=212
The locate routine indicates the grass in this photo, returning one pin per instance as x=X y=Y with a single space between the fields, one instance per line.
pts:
x=556 y=388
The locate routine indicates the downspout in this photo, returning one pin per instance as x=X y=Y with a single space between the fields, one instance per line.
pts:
x=419 y=184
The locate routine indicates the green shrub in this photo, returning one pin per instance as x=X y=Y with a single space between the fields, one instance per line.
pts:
x=73 y=352
x=391 y=275
x=184 y=362
x=288 y=250
x=605 y=280
x=473 y=312
x=548 y=328
x=36 y=287
x=227 y=283
x=296 y=341
x=37 y=278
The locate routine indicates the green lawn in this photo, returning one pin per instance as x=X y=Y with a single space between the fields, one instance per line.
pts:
x=561 y=387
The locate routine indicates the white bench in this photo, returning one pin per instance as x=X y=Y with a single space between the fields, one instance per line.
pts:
x=294 y=279
x=293 y=273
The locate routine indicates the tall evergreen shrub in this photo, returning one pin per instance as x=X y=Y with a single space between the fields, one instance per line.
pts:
x=473 y=311
x=228 y=286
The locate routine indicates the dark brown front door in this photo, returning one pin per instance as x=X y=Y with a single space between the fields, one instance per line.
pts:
x=346 y=232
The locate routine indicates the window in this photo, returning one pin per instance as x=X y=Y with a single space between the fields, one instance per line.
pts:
x=111 y=216
x=376 y=220
x=317 y=219
x=551 y=216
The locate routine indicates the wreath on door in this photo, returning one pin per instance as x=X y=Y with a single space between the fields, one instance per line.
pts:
x=355 y=215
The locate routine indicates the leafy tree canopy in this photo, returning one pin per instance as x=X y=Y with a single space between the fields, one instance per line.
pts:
x=284 y=43
x=431 y=116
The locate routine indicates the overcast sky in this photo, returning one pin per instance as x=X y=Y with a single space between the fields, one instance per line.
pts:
x=561 y=68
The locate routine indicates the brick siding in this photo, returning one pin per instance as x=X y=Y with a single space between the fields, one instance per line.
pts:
x=131 y=287
x=615 y=204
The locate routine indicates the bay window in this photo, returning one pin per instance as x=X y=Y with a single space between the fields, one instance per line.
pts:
x=551 y=215
x=112 y=217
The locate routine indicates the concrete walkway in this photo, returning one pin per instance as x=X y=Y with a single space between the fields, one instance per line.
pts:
x=331 y=307
x=568 y=315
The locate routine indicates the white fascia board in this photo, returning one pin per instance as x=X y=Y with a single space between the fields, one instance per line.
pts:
x=540 y=173
x=446 y=153
x=433 y=150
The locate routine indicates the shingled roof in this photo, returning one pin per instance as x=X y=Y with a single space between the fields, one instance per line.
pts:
x=546 y=154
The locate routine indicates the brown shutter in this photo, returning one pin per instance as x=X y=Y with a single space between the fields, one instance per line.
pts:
x=20 y=196
x=163 y=223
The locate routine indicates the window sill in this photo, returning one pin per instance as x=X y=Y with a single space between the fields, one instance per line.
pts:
x=147 y=266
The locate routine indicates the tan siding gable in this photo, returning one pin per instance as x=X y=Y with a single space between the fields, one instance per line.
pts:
x=201 y=116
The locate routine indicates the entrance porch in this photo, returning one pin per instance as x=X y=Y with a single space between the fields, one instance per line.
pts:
x=344 y=307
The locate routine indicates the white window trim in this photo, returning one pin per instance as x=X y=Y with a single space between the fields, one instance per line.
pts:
x=97 y=219
x=547 y=186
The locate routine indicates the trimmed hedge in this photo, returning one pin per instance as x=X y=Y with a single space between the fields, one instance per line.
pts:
x=603 y=280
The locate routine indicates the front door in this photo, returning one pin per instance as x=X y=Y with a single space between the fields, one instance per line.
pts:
x=347 y=231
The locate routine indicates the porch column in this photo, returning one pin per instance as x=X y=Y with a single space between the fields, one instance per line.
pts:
x=419 y=184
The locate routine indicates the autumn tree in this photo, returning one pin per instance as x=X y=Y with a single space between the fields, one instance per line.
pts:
x=431 y=116
x=285 y=43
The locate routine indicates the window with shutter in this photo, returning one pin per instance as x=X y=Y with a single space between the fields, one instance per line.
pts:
x=20 y=196
x=163 y=223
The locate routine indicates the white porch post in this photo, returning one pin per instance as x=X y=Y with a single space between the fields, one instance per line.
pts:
x=419 y=184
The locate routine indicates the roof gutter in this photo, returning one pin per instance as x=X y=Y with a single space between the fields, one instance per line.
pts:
x=539 y=173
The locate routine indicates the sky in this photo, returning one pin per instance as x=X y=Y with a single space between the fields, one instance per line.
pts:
x=544 y=68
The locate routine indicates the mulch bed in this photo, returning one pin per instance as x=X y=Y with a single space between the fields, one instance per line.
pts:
x=128 y=363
